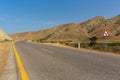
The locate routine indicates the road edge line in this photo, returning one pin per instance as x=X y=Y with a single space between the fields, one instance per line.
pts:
x=20 y=65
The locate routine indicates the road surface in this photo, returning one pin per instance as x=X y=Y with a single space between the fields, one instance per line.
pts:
x=46 y=62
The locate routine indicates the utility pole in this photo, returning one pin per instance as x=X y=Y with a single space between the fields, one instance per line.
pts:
x=105 y=44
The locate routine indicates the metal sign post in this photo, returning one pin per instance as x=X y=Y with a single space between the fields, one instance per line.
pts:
x=79 y=45
x=105 y=35
x=105 y=44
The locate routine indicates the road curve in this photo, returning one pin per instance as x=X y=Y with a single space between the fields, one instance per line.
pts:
x=45 y=62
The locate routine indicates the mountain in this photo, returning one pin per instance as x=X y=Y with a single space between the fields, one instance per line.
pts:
x=94 y=27
x=4 y=36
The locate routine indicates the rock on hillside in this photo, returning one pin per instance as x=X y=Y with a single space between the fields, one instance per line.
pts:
x=112 y=25
x=92 y=24
x=94 y=27
x=4 y=36
x=72 y=32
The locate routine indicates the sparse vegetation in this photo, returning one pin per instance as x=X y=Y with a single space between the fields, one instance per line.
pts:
x=89 y=33
x=93 y=45
x=73 y=31
x=6 y=40
x=93 y=41
x=111 y=47
x=33 y=40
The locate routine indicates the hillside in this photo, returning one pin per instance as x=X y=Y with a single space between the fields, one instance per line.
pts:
x=94 y=27
x=4 y=36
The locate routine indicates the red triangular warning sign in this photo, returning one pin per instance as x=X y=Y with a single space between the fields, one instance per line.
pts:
x=105 y=34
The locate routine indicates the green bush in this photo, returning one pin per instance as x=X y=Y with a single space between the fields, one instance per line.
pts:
x=111 y=47
x=72 y=44
x=6 y=40
x=33 y=40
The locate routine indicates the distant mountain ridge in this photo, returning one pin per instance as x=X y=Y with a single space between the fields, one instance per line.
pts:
x=94 y=27
x=4 y=36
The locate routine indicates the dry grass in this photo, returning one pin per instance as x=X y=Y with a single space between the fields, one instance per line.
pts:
x=77 y=32
x=4 y=52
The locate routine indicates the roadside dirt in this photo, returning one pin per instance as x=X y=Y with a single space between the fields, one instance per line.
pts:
x=4 y=53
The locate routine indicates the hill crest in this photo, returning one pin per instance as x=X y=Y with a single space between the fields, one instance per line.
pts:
x=4 y=36
x=77 y=32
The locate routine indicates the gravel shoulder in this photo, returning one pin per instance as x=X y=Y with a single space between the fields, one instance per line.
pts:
x=10 y=72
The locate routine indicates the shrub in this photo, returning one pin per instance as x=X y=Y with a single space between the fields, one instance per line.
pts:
x=6 y=40
x=33 y=40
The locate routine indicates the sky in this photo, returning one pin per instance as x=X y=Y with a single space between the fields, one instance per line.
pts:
x=32 y=15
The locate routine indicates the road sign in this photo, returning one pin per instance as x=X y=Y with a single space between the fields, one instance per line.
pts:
x=105 y=34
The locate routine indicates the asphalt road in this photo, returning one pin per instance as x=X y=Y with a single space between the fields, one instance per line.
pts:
x=46 y=62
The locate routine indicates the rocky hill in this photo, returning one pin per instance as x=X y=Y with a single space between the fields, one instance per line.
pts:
x=94 y=27
x=4 y=36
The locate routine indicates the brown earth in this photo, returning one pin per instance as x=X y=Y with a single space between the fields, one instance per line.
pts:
x=77 y=32
x=4 y=52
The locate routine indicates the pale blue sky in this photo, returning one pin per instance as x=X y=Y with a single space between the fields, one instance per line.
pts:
x=32 y=15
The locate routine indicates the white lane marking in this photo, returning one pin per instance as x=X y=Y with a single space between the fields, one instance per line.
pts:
x=47 y=51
